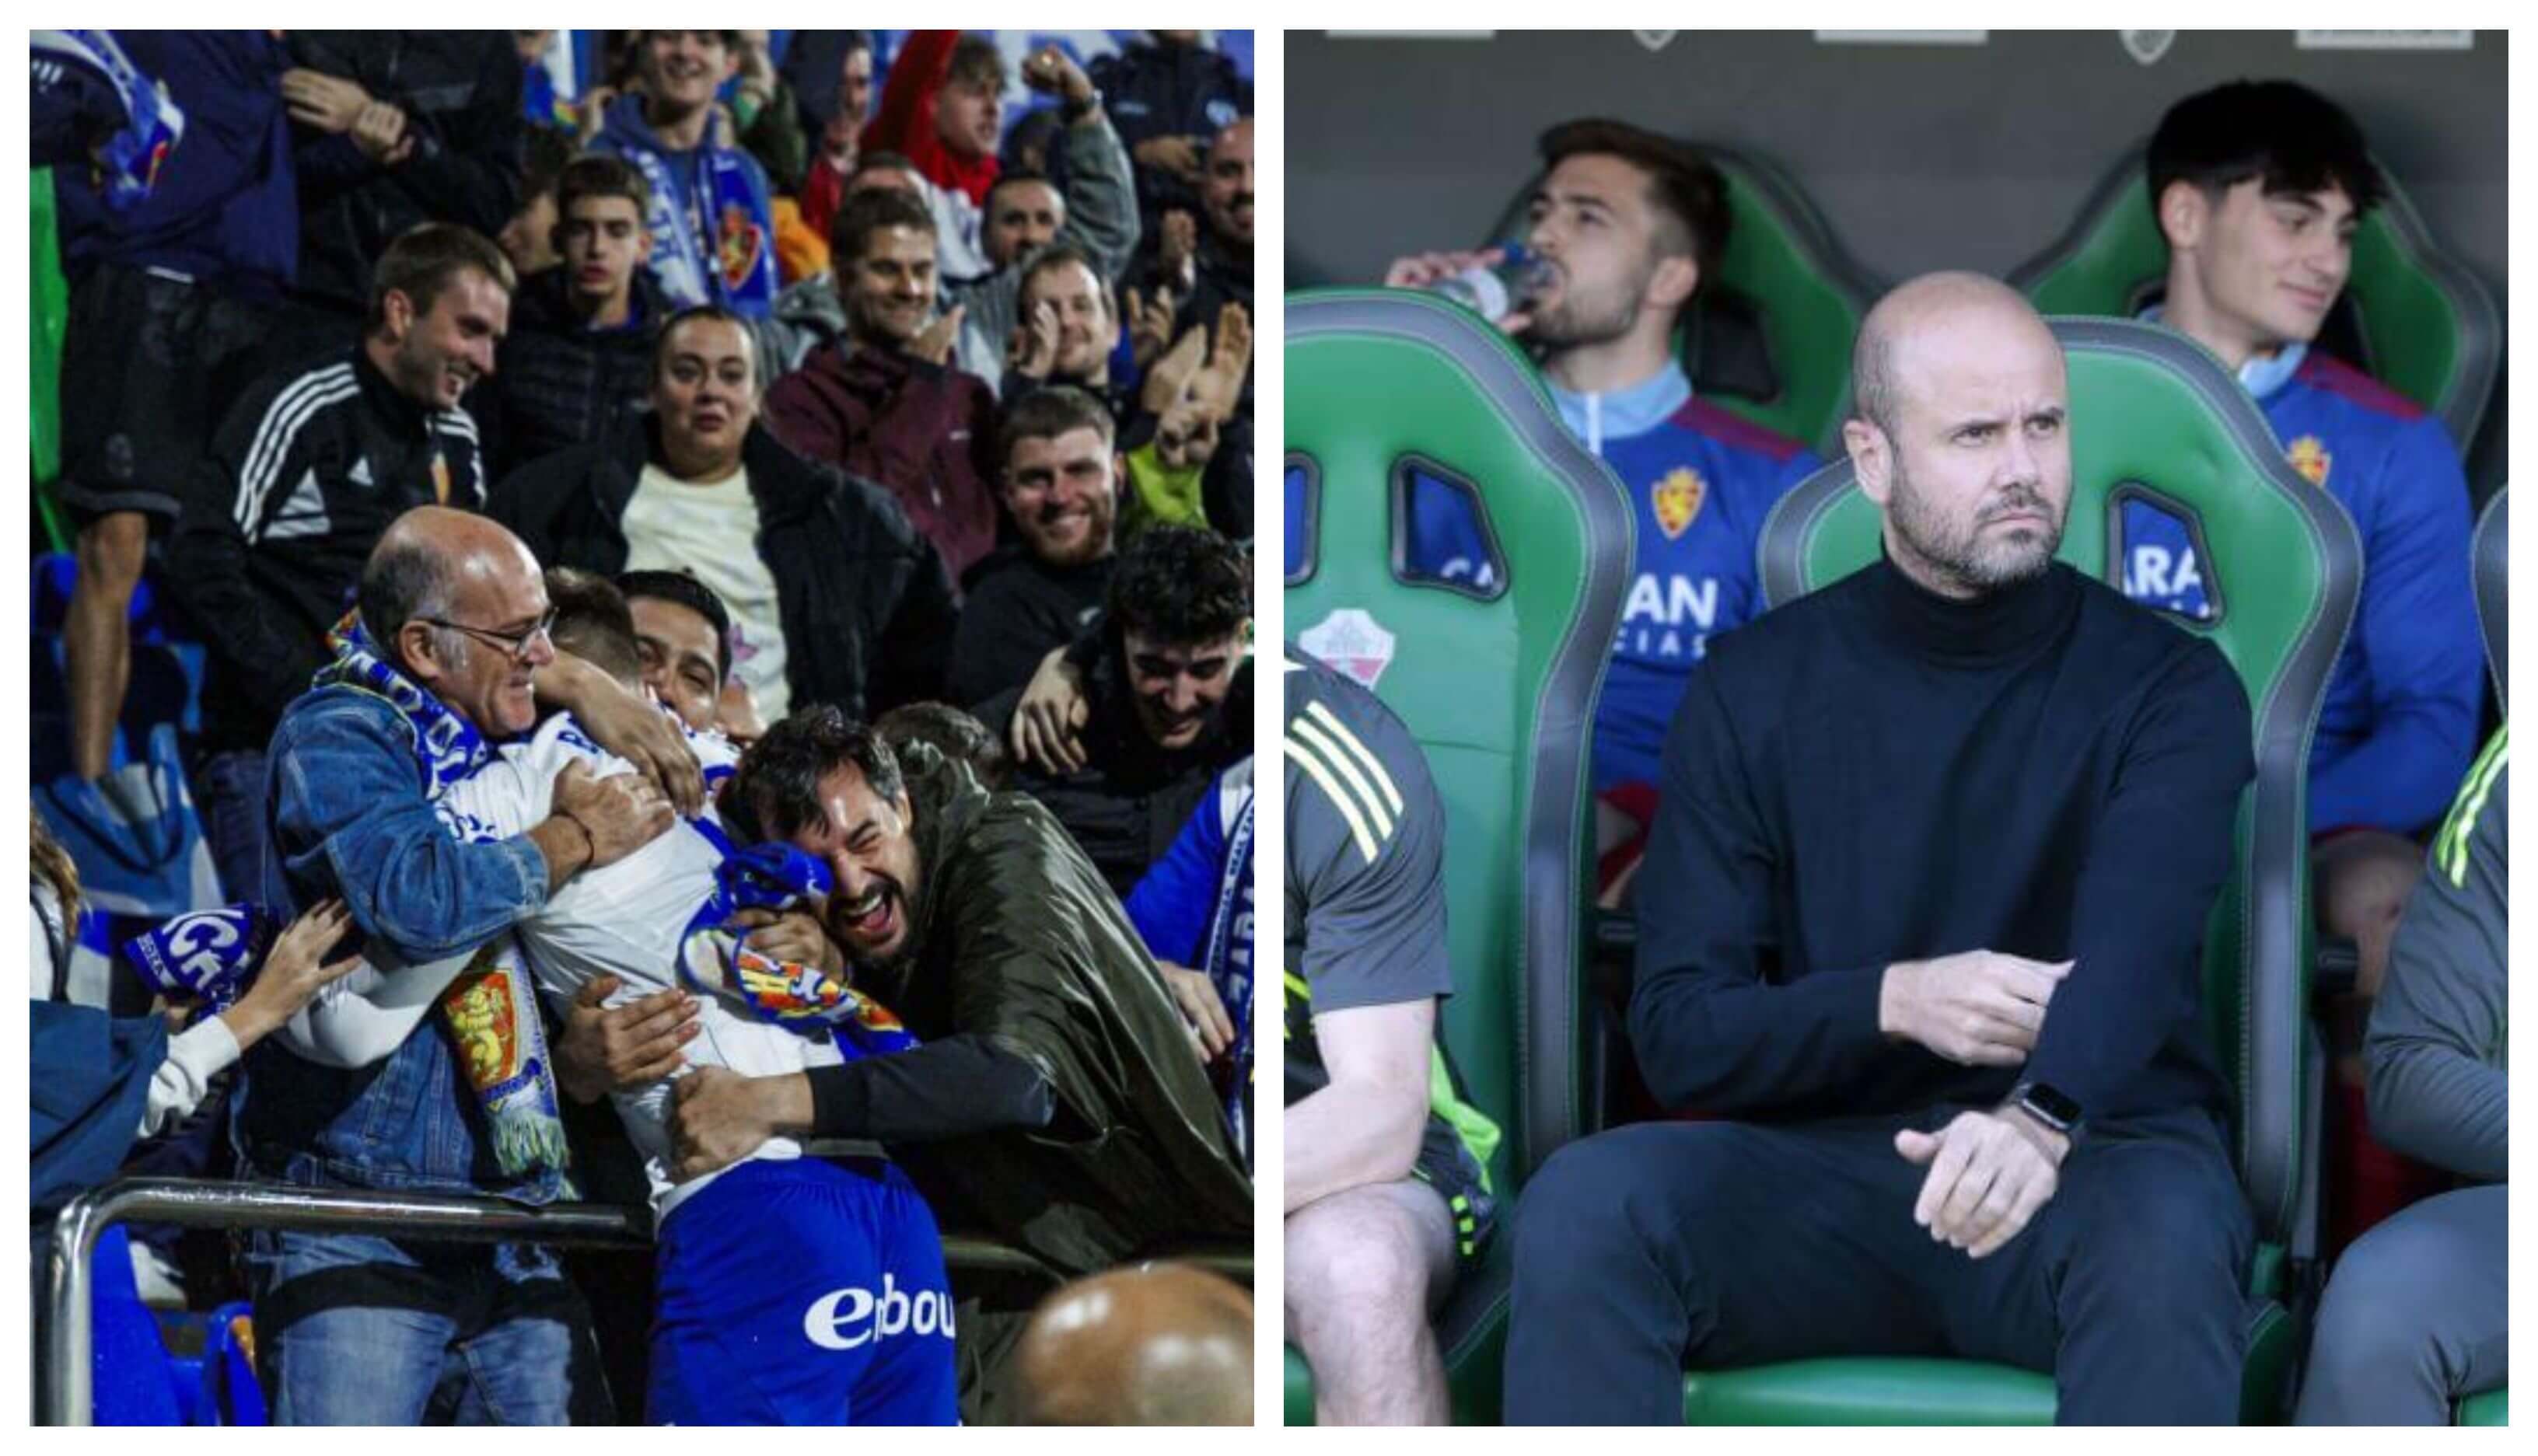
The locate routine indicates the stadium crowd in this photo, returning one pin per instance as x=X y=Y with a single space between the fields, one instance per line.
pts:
x=720 y=593
x=1920 y=864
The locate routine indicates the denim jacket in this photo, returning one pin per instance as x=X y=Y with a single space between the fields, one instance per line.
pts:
x=349 y=818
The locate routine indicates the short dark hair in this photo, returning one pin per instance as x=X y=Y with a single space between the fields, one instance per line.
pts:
x=1015 y=176
x=775 y=790
x=691 y=314
x=599 y=174
x=404 y=578
x=683 y=589
x=1046 y=414
x=1179 y=585
x=975 y=62
x=2296 y=140
x=593 y=623
x=546 y=151
x=952 y=733
x=866 y=212
x=1059 y=255
x=427 y=259
x=1687 y=191
x=882 y=161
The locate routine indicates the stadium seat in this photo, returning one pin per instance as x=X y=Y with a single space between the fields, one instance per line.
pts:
x=1498 y=690
x=1769 y=338
x=2412 y=315
x=2493 y=552
x=2492 y=1407
x=2151 y=414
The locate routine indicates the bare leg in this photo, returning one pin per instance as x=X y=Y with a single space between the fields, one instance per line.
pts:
x=1363 y=1268
x=96 y=636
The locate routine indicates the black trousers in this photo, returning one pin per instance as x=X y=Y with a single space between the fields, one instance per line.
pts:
x=1652 y=1248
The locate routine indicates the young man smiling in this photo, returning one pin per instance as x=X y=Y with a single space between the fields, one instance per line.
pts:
x=1167 y=679
x=2258 y=188
x=711 y=217
x=884 y=402
x=310 y=465
x=1061 y=486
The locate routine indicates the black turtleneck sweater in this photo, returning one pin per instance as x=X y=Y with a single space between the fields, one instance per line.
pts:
x=1875 y=773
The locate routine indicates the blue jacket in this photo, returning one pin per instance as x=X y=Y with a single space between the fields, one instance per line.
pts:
x=225 y=210
x=349 y=818
x=2399 y=723
x=701 y=253
x=1701 y=483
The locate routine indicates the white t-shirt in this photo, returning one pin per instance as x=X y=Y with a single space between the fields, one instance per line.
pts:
x=626 y=920
x=711 y=530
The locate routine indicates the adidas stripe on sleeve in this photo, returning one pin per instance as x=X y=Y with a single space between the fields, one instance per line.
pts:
x=1366 y=906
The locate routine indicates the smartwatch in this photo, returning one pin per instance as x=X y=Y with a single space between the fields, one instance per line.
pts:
x=2050 y=1107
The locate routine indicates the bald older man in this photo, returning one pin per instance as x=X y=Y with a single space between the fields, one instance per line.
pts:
x=438 y=665
x=1156 y=1345
x=1936 y=845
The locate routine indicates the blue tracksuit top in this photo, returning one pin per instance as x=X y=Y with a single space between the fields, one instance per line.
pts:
x=2399 y=723
x=1701 y=483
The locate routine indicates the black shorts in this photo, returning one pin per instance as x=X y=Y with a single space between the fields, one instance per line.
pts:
x=149 y=363
x=1446 y=1164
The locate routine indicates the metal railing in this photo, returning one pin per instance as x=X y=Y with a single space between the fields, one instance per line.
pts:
x=69 y=1398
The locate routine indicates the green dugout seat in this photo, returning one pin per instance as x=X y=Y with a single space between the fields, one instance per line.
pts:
x=2151 y=415
x=2493 y=551
x=2412 y=316
x=1499 y=688
x=2490 y=1409
x=1770 y=337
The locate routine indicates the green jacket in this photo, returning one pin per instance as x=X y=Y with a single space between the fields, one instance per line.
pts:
x=1021 y=941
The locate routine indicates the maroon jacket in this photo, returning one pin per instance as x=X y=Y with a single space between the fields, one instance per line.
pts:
x=925 y=432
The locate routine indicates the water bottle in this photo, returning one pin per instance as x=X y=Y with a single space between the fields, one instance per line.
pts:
x=1493 y=293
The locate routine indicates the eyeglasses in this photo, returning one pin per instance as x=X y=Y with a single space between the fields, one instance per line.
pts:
x=517 y=644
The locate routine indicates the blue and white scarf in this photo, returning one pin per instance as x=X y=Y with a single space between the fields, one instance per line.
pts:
x=713 y=244
x=210 y=956
x=128 y=163
x=715 y=957
x=1228 y=964
x=489 y=1011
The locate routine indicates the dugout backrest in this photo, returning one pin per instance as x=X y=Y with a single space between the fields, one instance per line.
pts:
x=2412 y=316
x=2493 y=551
x=1498 y=685
x=1769 y=338
x=2152 y=415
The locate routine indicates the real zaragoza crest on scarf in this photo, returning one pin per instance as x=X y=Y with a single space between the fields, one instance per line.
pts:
x=1677 y=499
x=2309 y=456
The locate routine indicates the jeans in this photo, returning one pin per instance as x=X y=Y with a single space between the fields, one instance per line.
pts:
x=228 y=794
x=357 y=1330
x=1717 y=1244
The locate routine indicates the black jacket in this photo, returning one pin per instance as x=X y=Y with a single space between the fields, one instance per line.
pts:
x=461 y=90
x=560 y=384
x=308 y=468
x=867 y=611
x=1154 y=89
x=1017 y=609
x=1130 y=799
